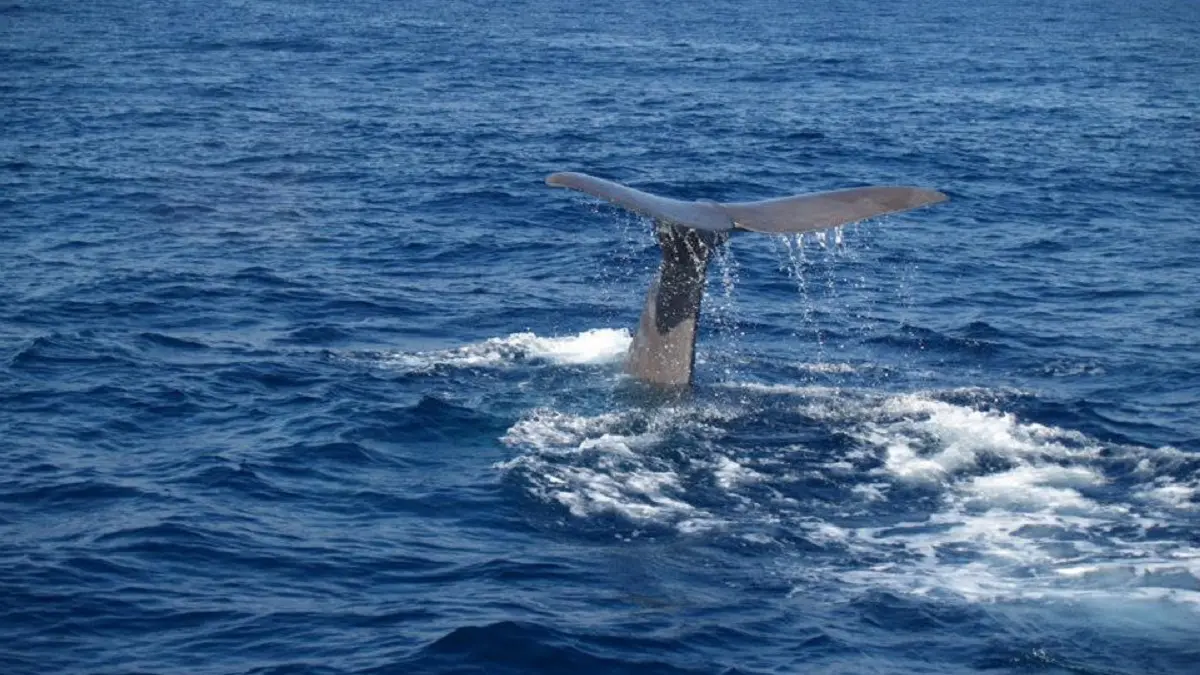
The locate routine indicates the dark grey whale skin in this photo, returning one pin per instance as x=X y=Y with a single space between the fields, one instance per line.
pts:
x=663 y=352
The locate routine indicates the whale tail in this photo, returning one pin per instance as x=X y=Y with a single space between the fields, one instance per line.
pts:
x=663 y=350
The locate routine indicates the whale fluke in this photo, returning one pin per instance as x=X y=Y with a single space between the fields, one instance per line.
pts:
x=663 y=350
x=702 y=215
x=819 y=210
x=785 y=215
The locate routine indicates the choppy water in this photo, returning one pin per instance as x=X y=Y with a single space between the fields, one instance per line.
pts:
x=303 y=369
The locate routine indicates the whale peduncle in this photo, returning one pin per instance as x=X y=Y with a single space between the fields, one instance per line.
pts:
x=663 y=351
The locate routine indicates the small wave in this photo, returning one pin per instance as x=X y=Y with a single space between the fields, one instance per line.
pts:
x=1071 y=368
x=591 y=347
x=83 y=494
x=525 y=647
x=171 y=341
x=242 y=479
x=263 y=276
x=299 y=44
x=314 y=335
x=59 y=349
x=921 y=339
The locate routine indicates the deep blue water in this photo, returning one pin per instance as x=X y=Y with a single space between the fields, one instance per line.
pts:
x=304 y=369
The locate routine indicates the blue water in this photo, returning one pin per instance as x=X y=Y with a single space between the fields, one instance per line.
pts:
x=304 y=370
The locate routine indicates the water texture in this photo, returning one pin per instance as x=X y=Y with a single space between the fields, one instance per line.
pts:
x=304 y=370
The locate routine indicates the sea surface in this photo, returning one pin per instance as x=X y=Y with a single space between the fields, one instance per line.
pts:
x=304 y=369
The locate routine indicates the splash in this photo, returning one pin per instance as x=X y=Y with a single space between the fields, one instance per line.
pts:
x=591 y=347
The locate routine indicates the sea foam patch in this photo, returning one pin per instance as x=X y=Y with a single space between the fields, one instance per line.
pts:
x=614 y=463
x=1025 y=510
x=926 y=439
x=591 y=347
x=925 y=493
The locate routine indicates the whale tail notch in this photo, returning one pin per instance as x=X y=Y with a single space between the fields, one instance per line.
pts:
x=663 y=350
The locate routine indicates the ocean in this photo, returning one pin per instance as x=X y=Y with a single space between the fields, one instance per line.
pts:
x=304 y=369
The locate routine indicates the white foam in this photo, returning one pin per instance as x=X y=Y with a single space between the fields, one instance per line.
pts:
x=1024 y=512
x=1034 y=488
x=638 y=495
x=605 y=464
x=827 y=368
x=551 y=431
x=591 y=347
x=930 y=440
x=599 y=345
x=1175 y=495
x=731 y=474
x=1009 y=508
x=785 y=389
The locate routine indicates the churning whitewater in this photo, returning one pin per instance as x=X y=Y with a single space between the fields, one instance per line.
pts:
x=1005 y=509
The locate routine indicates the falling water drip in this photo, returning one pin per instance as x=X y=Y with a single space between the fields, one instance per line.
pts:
x=634 y=236
x=729 y=271
x=817 y=282
x=794 y=245
x=723 y=312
